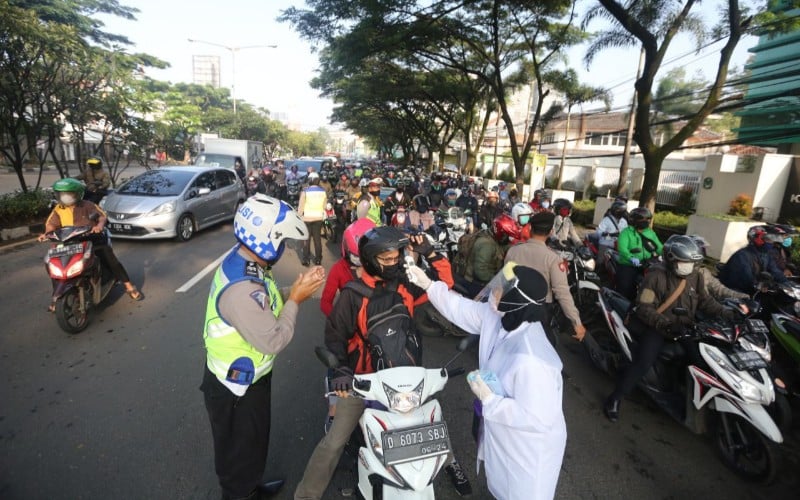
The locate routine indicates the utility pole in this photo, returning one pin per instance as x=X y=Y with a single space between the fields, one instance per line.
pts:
x=626 y=154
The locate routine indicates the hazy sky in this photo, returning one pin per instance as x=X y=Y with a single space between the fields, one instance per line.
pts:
x=278 y=79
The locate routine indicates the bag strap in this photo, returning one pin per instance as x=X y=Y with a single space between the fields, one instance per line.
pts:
x=360 y=288
x=672 y=298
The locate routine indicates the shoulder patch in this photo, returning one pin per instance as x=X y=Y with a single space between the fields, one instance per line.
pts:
x=647 y=296
x=261 y=298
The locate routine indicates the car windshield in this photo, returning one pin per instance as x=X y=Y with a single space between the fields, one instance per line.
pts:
x=157 y=183
x=215 y=160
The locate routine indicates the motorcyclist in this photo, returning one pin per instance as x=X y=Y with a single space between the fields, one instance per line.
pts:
x=97 y=180
x=563 y=228
x=521 y=214
x=665 y=289
x=742 y=269
x=610 y=226
x=420 y=216
x=490 y=209
x=397 y=199
x=633 y=252
x=370 y=205
x=713 y=285
x=781 y=246
x=381 y=253
x=469 y=204
x=449 y=199
x=436 y=191
x=73 y=210
x=271 y=187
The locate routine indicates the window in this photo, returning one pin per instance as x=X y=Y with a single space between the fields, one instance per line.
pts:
x=593 y=139
x=205 y=180
x=549 y=138
x=225 y=178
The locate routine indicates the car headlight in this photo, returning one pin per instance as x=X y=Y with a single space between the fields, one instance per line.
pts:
x=404 y=402
x=164 y=208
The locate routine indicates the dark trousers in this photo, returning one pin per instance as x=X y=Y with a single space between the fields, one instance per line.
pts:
x=240 y=428
x=649 y=346
x=315 y=233
x=627 y=279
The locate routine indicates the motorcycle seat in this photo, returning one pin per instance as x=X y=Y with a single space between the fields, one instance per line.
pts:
x=793 y=328
x=672 y=351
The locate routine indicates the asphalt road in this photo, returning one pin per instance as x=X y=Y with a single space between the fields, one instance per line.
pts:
x=115 y=411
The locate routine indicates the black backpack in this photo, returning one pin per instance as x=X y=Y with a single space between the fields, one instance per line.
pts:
x=390 y=335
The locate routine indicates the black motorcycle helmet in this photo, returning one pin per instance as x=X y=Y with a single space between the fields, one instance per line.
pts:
x=681 y=248
x=375 y=242
x=641 y=217
x=562 y=207
x=422 y=203
x=618 y=209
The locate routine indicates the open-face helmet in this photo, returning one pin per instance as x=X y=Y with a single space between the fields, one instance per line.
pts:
x=263 y=224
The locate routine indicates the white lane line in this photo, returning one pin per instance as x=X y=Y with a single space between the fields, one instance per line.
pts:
x=197 y=277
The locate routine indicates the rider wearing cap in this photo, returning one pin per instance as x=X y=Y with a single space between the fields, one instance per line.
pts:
x=97 y=180
x=247 y=323
x=535 y=254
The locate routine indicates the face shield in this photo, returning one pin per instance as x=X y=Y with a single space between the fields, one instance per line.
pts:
x=504 y=282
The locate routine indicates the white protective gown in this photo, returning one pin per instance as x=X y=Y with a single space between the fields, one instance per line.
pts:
x=524 y=432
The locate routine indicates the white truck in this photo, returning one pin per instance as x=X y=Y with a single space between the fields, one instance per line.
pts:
x=223 y=153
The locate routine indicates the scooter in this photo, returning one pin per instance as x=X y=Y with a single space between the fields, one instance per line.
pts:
x=330 y=224
x=727 y=396
x=80 y=282
x=406 y=441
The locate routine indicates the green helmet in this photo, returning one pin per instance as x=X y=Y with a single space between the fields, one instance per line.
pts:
x=69 y=185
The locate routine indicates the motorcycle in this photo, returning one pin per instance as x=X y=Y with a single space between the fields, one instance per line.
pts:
x=584 y=282
x=405 y=439
x=330 y=224
x=340 y=208
x=730 y=396
x=454 y=222
x=80 y=282
x=293 y=192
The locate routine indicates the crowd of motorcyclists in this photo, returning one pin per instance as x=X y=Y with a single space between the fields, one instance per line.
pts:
x=441 y=212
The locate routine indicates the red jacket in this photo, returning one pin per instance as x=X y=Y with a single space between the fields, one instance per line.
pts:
x=338 y=276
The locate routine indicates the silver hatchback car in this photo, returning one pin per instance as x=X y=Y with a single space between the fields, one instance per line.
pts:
x=173 y=202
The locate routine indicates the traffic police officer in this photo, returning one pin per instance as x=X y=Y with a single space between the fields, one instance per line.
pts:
x=247 y=324
x=535 y=254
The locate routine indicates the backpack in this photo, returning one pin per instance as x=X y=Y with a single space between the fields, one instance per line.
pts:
x=462 y=261
x=385 y=329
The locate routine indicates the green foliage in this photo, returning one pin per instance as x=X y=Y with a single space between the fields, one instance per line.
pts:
x=22 y=208
x=742 y=205
x=686 y=200
x=670 y=220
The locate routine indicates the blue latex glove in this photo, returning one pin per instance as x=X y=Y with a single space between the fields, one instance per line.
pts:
x=635 y=262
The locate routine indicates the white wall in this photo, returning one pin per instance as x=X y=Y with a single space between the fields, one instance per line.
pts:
x=765 y=185
x=723 y=237
x=602 y=204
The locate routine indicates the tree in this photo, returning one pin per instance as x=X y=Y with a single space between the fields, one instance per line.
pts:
x=653 y=25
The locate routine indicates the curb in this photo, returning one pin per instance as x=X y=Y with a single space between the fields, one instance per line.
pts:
x=21 y=234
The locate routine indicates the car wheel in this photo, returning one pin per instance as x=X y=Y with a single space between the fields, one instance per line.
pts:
x=184 y=230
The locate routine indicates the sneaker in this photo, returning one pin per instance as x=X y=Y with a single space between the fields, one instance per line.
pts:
x=459 y=479
x=305 y=263
x=318 y=262
x=328 y=423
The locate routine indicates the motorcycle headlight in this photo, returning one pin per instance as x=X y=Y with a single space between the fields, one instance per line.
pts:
x=764 y=351
x=75 y=269
x=791 y=291
x=588 y=264
x=404 y=402
x=164 y=208
x=54 y=271
x=752 y=393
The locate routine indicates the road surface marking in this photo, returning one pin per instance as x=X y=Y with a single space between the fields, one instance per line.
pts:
x=197 y=277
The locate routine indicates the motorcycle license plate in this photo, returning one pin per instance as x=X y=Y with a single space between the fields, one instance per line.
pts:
x=414 y=443
x=61 y=251
x=747 y=360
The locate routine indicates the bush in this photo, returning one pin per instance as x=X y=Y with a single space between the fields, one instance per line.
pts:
x=19 y=209
x=672 y=221
x=583 y=212
x=686 y=200
x=741 y=205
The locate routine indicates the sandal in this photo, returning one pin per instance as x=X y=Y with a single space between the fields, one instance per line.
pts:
x=51 y=308
x=135 y=294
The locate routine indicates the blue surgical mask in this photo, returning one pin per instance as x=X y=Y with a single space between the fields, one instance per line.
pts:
x=787 y=242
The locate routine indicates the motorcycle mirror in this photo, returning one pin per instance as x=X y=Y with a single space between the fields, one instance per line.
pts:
x=327 y=358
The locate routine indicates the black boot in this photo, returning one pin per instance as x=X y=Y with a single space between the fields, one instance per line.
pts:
x=270 y=488
x=611 y=408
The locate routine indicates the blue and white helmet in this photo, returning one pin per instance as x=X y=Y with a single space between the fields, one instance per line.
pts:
x=262 y=224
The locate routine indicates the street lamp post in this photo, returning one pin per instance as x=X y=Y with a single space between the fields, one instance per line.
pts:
x=233 y=51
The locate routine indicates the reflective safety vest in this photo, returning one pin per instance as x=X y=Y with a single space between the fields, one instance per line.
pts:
x=314 y=207
x=235 y=362
x=374 y=212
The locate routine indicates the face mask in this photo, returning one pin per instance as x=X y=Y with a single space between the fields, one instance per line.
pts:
x=545 y=204
x=451 y=203
x=642 y=224
x=390 y=273
x=68 y=199
x=564 y=212
x=787 y=242
x=375 y=193
x=684 y=268
x=524 y=219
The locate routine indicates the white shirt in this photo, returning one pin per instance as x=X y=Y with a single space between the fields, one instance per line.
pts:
x=524 y=432
x=607 y=226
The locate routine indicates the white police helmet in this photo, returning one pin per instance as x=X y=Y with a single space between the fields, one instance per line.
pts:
x=263 y=223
